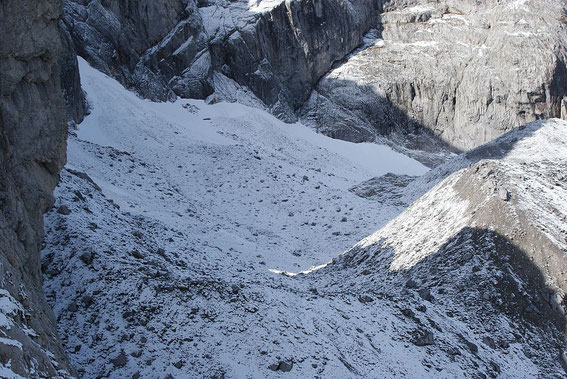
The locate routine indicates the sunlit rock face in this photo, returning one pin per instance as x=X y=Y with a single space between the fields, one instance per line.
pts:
x=464 y=71
x=33 y=130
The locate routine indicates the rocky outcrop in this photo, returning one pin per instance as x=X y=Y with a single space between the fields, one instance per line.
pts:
x=464 y=72
x=75 y=100
x=278 y=50
x=484 y=243
x=32 y=151
x=133 y=40
x=289 y=47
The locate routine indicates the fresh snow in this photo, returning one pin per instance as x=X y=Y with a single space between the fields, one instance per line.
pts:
x=238 y=167
x=261 y=6
x=170 y=269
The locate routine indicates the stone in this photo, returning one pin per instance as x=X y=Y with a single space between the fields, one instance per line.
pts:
x=235 y=289
x=489 y=341
x=73 y=307
x=408 y=312
x=503 y=194
x=467 y=256
x=424 y=338
x=87 y=257
x=179 y=364
x=365 y=299
x=63 y=210
x=411 y=284
x=120 y=360
x=284 y=366
x=136 y=254
x=471 y=346
x=87 y=301
x=84 y=176
x=425 y=294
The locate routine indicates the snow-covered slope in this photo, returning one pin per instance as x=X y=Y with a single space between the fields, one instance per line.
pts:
x=487 y=246
x=219 y=193
x=231 y=174
x=162 y=261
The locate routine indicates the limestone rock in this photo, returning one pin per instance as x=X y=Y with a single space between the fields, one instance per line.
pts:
x=447 y=76
x=177 y=47
x=33 y=133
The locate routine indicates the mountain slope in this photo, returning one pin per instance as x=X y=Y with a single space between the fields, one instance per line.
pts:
x=166 y=263
x=487 y=243
x=213 y=195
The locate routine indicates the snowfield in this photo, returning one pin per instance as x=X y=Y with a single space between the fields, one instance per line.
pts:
x=173 y=219
x=231 y=175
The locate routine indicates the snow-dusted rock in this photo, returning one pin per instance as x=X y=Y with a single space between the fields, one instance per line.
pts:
x=464 y=72
x=33 y=130
x=278 y=49
x=485 y=261
x=460 y=242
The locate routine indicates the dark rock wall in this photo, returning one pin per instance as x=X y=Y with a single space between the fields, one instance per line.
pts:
x=137 y=42
x=75 y=101
x=279 y=54
x=33 y=135
x=292 y=46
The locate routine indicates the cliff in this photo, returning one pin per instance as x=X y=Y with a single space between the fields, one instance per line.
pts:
x=32 y=151
x=191 y=48
x=459 y=72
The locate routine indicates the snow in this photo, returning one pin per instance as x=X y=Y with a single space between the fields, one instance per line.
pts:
x=202 y=207
x=209 y=157
x=9 y=308
x=443 y=221
x=10 y=342
x=6 y=372
x=518 y=5
x=261 y=6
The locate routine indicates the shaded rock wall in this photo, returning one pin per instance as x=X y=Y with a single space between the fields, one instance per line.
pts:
x=75 y=100
x=174 y=48
x=33 y=135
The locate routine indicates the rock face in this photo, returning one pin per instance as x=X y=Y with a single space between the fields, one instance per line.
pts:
x=189 y=48
x=135 y=41
x=463 y=71
x=430 y=78
x=32 y=151
x=75 y=101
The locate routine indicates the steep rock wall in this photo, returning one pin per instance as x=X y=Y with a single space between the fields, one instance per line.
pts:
x=278 y=52
x=464 y=71
x=32 y=151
